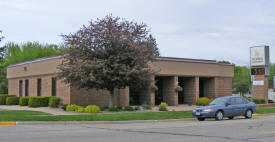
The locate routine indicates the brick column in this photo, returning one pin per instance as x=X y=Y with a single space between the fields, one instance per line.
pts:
x=122 y=97
x=146 y=95
x=191 y=90
x=170 y=96
x=261 y=91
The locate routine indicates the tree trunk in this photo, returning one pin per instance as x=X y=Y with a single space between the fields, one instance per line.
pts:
x=111 y=98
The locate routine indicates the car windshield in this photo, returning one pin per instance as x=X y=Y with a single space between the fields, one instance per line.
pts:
x=218 y=101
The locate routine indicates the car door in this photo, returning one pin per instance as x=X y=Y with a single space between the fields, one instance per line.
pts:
x=235 y=106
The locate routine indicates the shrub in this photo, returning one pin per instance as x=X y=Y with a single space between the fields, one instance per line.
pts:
x=258 y=101
x=79 y=109
x=92 y=109
x=39 y=101
x=54 y=101
x=163 y=106
x=23 y=101
x=203 y=101
x=137 y=107
x=12 y=100
x=113 y=108
x=72 y=107
x=128 y=108
x=102 y=108
x=148 y=107
x=3 y=98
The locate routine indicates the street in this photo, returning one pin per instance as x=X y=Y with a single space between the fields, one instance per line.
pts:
x=239 y=129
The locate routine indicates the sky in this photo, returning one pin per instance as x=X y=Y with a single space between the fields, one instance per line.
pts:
x=199 y=29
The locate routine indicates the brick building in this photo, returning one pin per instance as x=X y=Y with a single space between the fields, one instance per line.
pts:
x=198 y=78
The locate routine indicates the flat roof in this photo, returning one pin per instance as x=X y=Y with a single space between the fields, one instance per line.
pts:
x=160 y=58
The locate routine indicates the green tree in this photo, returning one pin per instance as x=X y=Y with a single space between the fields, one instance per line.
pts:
x=272 y=73
x=241 y=80
x=15 y=53
x=109 y=53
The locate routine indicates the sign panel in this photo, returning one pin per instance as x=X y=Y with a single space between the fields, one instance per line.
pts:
x=257 y=71
x=258 y=83
x=259 y=56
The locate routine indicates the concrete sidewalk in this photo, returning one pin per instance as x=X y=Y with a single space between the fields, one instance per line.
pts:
x=53 y=111
x=59 y=111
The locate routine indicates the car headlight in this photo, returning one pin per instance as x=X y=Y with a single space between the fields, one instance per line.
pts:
x=194 y=110
x=208 y=110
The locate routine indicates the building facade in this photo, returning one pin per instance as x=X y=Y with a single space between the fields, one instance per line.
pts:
x=198 y=78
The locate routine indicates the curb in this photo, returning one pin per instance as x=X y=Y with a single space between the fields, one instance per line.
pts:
x=7 y=123
x=95 y=122
x=257 y=115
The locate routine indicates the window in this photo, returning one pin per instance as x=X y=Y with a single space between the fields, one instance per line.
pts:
x=20 y=88
x=236 y=101
x=39 y=87
x=26 y=87
x=53 y=86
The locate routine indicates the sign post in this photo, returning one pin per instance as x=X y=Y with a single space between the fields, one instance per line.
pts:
x=259 y=70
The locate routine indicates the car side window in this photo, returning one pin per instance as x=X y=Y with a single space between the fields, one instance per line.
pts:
x=238 y=100
x=231 y=101
x=244 y=101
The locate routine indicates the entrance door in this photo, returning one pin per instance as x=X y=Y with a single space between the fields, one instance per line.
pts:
x=181 y=93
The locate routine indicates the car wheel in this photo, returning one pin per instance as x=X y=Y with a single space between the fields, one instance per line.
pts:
x=219 y=115
x=231 y=117
x=248 y=114
x=201 y=119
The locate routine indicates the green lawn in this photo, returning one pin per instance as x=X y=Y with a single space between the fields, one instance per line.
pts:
x=25 y=116
x=266 y=110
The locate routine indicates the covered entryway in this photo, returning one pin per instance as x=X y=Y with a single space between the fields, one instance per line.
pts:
x=206 y=86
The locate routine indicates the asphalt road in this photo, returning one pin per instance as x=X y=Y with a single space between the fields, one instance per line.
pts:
x=253 y=130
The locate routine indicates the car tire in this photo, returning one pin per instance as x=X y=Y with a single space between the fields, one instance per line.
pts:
x=219 y=115
x=201 y=118
x=248 y=114
x=231 y=117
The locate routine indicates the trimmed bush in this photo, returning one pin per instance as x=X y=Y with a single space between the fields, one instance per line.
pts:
x=92 y=109
x=128 y=108
x=3 y=98
x=54 y=101
x=23 y=101
x=79 y=109
x=12 y=101
x=39 y=101
x=148 y=107
x=72 y=107
x=137 y=107
x=203 y=101
x=258 y=101
x=102 y=108
x=113 y=108
x=163 y=106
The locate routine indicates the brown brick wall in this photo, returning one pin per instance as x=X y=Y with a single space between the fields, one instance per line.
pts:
x=98 y=97
x=170 y=96
x=261 y=92
x=62 y=90
x=191 y=89
x=223 y=86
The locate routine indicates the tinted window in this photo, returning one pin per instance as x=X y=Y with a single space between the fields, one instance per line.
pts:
x=20 y=88
x=218 y=101
x=39 y=87
x=53 y=86
x=236 y=100
x=26 y=87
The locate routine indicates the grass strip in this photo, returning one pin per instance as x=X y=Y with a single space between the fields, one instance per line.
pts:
x=101 y=117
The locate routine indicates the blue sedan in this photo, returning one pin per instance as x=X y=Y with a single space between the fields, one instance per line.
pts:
x=228 y=106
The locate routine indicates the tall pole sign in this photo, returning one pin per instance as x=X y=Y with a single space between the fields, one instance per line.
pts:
x=259 y=69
